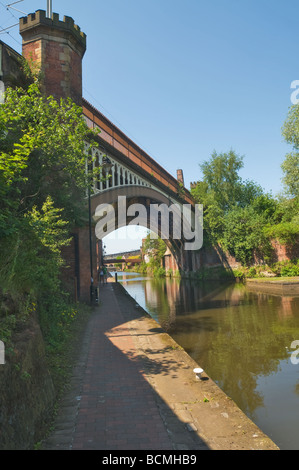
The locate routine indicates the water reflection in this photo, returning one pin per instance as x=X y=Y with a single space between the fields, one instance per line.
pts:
x=242 y=340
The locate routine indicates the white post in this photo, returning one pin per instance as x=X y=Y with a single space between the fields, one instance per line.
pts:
x=118 y=175
x=2 y=353
x=113 y=176
x=101 y=172
x=93 y=171
x=1 y=72
x=2 y=90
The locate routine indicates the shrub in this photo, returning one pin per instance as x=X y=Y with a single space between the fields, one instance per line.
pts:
x=286 y=268
x=239 y=273
x=159 y=272
x=251 y=272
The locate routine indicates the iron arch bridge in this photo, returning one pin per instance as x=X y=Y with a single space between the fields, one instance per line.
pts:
x=131 y=183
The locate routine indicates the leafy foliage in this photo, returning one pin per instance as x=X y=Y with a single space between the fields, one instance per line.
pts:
x=42 y=145
x=221 y=178
x=290 y=166
x=155 y=249
x=43 y=184
x=235 y=211
x=243 y=233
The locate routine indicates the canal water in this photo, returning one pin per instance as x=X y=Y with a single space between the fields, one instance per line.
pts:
x=241 y=338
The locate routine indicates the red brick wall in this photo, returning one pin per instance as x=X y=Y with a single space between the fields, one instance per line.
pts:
x=170 y=263
x=84 y=262
x=57 y=48
x=61 y=68
x=213 y=257
x=32 y=51
x=284 y=252
x=76 y=275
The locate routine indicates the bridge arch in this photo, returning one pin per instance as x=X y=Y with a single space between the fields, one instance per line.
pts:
x=122 y=216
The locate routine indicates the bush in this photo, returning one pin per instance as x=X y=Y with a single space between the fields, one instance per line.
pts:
x=286 y=268
x=251 y=272
x=243 y=234
x=239 y=273
x=159 y=272
x=286 y=233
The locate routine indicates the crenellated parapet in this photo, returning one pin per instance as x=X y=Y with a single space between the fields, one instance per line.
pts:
x=40 y=20
x=55 y=47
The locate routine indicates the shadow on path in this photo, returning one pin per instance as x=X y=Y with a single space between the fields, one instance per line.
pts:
x=111 y=404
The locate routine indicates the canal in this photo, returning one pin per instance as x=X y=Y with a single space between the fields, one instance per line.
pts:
x=242 y=339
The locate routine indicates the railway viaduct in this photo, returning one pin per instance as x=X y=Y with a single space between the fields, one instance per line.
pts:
x=57 y=46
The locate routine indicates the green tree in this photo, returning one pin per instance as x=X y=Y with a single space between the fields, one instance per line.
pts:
x=221 y=190
x=155 y=248
x=244 y=235
x=222 y=183
x=42 y=153
x=221 y=178
x=285 y=225
x=235 y=211
x=43 y=185
x=290 y=166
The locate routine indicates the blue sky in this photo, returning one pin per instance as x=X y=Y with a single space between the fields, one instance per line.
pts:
x=185 y=78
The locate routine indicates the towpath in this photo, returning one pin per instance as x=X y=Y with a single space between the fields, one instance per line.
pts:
x=133 y=388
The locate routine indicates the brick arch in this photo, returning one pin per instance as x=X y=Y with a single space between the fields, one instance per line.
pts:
x=145 y=196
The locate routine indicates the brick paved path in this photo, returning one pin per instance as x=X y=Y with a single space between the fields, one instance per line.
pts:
x=116 y=408
x=133 y=388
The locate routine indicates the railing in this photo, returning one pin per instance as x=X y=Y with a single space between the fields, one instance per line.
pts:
x=133 y=154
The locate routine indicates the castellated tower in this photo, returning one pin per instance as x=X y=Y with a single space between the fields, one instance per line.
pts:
x=57 y=47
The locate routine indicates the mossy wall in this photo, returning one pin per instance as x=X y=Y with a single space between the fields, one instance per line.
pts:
x=26 y=390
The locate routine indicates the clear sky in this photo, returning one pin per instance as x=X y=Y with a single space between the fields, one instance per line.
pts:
x=183 y=78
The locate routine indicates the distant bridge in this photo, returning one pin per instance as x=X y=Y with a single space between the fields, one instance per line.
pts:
x=122 y=261
x=124 y=254
x=127 y=257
